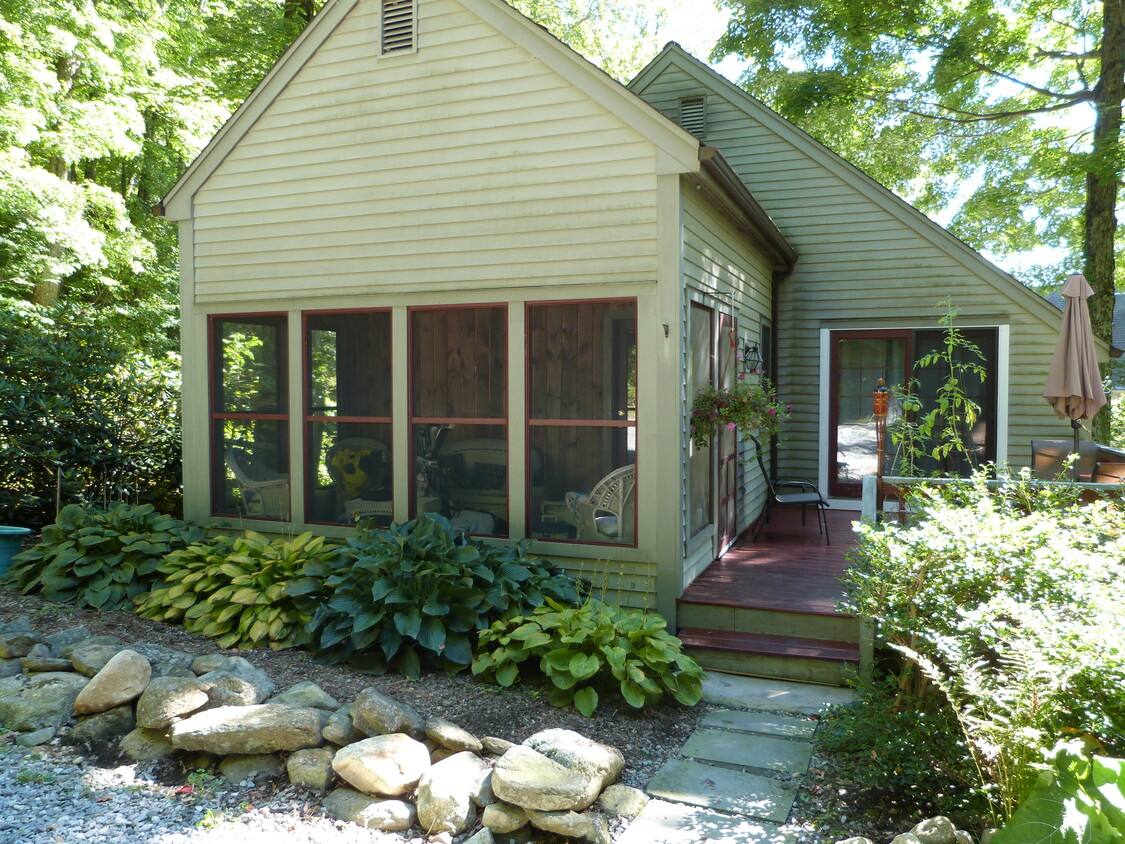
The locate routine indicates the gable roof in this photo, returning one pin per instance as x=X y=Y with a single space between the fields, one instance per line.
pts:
x=678 y=151
x=674 y=55
x=1059 y=301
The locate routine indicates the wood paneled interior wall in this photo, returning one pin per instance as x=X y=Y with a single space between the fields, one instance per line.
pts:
x=458 y=363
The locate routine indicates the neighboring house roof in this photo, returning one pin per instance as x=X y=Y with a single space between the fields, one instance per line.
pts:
x=709 y=79
x=1059 y=302
x=678 y=150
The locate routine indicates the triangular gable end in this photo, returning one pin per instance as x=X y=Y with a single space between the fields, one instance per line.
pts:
x=678 y=150
x=709 y=79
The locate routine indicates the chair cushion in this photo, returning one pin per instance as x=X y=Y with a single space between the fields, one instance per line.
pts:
x=606 y=525
x=488 y=476
x=799 y=498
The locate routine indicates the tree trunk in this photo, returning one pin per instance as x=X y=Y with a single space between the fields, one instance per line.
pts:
x=1102 y=179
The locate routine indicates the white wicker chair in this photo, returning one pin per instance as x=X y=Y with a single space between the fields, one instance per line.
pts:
x=608 y=512
x=265 y=493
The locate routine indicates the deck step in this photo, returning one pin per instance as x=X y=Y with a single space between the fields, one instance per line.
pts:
x=751 y=619
x=787 y=657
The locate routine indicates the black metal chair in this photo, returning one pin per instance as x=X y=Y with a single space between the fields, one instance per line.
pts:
x=804 y=494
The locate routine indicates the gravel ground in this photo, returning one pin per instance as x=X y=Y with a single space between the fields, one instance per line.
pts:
x=58 y=794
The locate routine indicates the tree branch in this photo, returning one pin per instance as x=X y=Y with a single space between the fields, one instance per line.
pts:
x=966 y=117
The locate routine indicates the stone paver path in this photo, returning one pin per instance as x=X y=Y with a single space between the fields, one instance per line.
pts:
x=737 y=777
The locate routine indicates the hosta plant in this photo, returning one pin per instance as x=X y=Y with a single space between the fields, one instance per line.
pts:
x=232 y=588
x=418 y=591
x=99 y=558
x=596 y=644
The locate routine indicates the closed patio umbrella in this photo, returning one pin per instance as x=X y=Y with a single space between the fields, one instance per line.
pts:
x=1074 y=384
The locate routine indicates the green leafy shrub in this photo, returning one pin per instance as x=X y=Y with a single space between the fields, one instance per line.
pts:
x=100 y=558
x=418 y=590
x=83 y=414
x=595 y=644
x=1006 y=604
x=1078 y=798
x=232 y=588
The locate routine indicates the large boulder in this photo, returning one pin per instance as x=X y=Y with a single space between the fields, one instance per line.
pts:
x=228 y=688
x=447 y=792
x=503 y=818
x=623 y=801
x=121 y=680
x=167 y=699
x=598 y=764
x=346 y=804
x=451 y=737
x=165 y=661
x=58 y=642
x=18 y=643
x=264 y=728
x=143 y=745
x=936 y=830
x=378 y=715
x=34 y=701
x=589 y=825
x=311 y=768
x=91 y=656
x=530 y=780
x=387 y=765
x=306 y=694
x=340 y=729
x=251 y=767
x=104 y=726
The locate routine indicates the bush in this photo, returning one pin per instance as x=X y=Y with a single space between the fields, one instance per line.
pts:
x=1006 y=603
x=418 y=590
x=100 y=558
x=597 y=644
x=83 y=416
x=232 y=588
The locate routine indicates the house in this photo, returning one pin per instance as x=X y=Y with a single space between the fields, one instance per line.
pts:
x=437 y=260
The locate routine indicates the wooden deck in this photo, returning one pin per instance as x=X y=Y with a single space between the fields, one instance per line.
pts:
x=789 y=568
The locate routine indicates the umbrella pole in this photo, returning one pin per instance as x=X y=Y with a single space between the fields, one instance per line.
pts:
x=1077 y=426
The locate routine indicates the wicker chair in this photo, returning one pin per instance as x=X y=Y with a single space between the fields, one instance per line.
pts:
x=354 y=487
x=265 y=493
x=608 y=512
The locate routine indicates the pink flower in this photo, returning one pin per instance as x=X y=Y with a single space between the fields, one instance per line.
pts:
x=742 y=376
x=773 y=412
x=731 y=426
x=788 y=407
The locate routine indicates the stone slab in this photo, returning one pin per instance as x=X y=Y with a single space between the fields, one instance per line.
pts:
x=768 y=723
x=675 y=823
x=760 y=693
x=752 y=751
x=738 y=792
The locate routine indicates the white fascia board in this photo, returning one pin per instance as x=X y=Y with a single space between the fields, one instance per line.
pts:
x=178 y=201
x=968 y=257
x=678 y=150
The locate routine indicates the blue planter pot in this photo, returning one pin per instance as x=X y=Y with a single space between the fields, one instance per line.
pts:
x=11 y=543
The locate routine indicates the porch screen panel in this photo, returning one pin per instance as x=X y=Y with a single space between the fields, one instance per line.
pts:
x=701 y=463
x=348 y=454
x=582 y=418
x=249 y=417
x=458 y=405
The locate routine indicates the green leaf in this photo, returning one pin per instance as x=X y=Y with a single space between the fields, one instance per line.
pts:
x=586 y=701
x=431 y=634
x=633 y=694
x=507 y=674
x=408 y=622
x=584 y=666
x=409 y=665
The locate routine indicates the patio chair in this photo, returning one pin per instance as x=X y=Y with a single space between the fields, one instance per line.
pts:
x=607 y=513
x=265 y=492
x=1049 y=456
x=789 y=491
x=360 y=471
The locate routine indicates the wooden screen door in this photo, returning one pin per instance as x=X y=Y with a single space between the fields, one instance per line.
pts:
x=727 y=441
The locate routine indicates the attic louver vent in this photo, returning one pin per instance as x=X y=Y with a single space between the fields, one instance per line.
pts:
x=398 y=26
x=693 y=115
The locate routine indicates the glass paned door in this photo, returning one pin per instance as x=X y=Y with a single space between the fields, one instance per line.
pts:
x=727 y=440
x=859 y=360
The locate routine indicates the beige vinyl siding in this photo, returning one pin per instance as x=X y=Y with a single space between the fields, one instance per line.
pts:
x=724 y=268
x=467 y=163
x=865 y=260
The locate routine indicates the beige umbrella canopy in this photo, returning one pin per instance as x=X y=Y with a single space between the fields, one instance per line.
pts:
x=1074 y=384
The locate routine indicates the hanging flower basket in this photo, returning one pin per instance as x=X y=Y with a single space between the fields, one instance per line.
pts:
x=751 y=409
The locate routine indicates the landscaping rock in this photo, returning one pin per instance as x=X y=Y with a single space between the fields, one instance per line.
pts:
x=859 y=839
x=264 y=728
x=484 y=795
x=210 y=662
x=622 y=801
x=121 y=680
x=251 y=767
x=936 y=830
x=483 y=837
x=377 y=715
x=166 y=699
x=16 y=625
x=346 y=804
x=59 y=642
x=340 y=730
x=311 y=768
x=451 y=737
x=599 y=829
x=89 y=659
x=68 y=651
x=36 y=737
x=529 y=779
x=497 y=746
x=503 y=818
x=598 y=764
x=906 y=838
x=227 y=688
x=446 y=793
x=964 y=837
x=306 y=694
x=165 y=661
x=31 y=664
x=143 y=745
x=569 y=824
x=18 y=643
x=12 y=667
x=33 y=701
x=387 y=765
x=107 y=725
x=40 y=650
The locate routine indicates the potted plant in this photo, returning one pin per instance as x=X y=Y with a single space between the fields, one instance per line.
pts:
x=749 y=407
